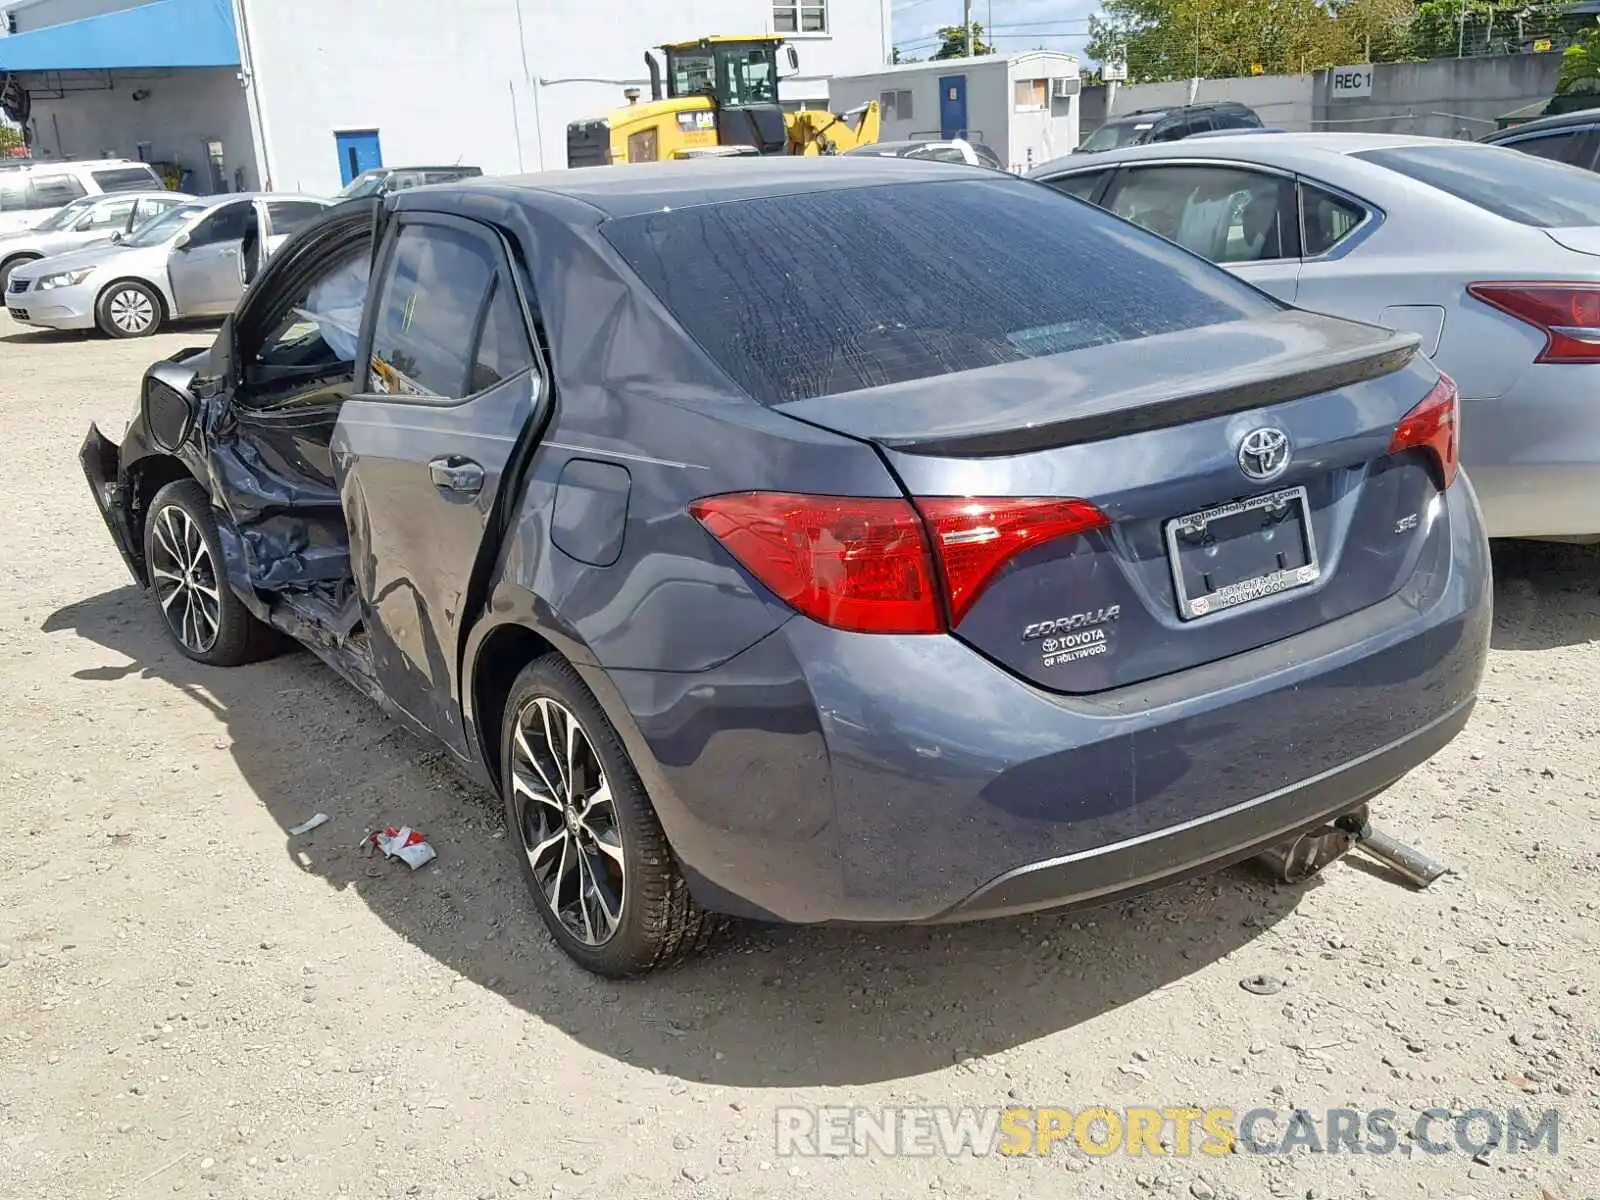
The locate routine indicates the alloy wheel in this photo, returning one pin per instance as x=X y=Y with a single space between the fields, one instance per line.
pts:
x=567 y=819
x=185 y=579
x=131 y=311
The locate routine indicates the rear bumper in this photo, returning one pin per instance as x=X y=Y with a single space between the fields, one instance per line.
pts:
x=1209 y=843
x=824 y=776
x=1534 y=452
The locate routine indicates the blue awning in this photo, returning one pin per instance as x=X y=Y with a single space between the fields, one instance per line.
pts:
x=166 y=33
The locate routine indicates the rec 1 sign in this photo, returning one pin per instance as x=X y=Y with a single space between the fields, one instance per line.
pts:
x=1352 y=83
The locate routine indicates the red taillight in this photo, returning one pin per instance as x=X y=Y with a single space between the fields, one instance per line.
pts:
x=864 y=564
x=1568 y=314
x=974 y=538
x=1434 y=425
x=849 y=562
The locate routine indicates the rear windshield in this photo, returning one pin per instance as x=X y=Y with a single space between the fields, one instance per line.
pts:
x=1528 y=190
x=1116 y=134
x=127 y=179
x=842 y=289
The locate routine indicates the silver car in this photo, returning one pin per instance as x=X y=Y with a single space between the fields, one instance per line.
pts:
x=185 y=263
x=1492 y=256
x=83 y=223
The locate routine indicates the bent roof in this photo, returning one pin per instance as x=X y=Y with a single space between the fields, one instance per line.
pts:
x=628 y=190
x=165 y=33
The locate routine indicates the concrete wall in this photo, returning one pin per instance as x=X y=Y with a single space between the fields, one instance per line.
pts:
x=467 y=81
x=184 y=110
x=1284 y=101
x=1447 y=97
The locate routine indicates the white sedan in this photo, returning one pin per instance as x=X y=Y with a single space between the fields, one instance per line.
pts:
x=1492 y=256
x=185 y=263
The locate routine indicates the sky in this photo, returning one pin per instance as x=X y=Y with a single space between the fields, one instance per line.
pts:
x=1008 y=25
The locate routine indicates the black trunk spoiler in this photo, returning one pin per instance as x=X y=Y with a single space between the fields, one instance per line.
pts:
x=1111 y=391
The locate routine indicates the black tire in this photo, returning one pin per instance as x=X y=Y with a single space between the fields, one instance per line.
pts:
x=180 y=516
x=659 y=922
x=10 y=265
x=115 y=311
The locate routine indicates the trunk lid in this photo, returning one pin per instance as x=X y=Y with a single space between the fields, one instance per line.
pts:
x=1188 y=425
x=1584 y=239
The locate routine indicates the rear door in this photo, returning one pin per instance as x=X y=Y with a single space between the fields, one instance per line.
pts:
x=451 y=386
x=1244 y=218
x=205 y=271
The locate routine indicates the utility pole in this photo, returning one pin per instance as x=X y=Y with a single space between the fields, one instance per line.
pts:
x=1461 y=36
x=966 y=18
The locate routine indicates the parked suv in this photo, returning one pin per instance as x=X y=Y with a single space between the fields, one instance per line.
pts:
x=1572 y=138
x=1168 y=125
x=34 y=190
x=1007 y=590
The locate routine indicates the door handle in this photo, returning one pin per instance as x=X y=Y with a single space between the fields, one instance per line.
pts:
x=456 y=474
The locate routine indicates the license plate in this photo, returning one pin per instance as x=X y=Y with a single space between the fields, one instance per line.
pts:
x=1235 y=553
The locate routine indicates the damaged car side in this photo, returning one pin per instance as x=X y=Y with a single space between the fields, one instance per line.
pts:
x=823 y=579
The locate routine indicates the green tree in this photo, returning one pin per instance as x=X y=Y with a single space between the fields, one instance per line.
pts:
x=10 y=138
x=1580 y=66
x=1178 y=39
x=954 y=38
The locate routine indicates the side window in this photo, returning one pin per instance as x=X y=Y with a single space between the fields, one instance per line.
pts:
x=322 y=325
x=151 y=208
x=53 y=191
x=227 y=224
x=1569 y=146
x=1082 y=185
x=504 y=349
x=1226 y=214
x=112 y=215
x=435 y=286
x=13 y=192
x=288 y=216
x=1169 y=130
x=1328 y=219
x=939 y=154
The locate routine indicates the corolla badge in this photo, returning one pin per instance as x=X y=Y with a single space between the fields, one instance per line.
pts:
x=1264 y=454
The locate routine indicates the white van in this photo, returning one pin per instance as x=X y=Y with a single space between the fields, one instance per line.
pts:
x=33 y=189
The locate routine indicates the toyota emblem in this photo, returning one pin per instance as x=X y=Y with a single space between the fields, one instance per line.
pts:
x=1264 y=454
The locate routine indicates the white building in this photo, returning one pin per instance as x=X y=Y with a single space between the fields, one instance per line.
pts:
x=286 y=94
x=1025 y=107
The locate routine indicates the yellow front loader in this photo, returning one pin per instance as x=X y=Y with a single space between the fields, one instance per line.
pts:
x=716 y=96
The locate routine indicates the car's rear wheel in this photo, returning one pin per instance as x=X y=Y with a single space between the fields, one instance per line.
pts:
x=11 y=264
x=183 y=556
x=591 y=849
x=129 y=310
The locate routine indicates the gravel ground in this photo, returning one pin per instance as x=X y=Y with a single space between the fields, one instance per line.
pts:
x=194 y=1001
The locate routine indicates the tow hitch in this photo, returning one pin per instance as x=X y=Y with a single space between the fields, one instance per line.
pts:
x=1297 y=860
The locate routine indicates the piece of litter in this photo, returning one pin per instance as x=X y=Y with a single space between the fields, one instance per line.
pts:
x=308 y=826
x=405 y=843
x=1262 y=985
